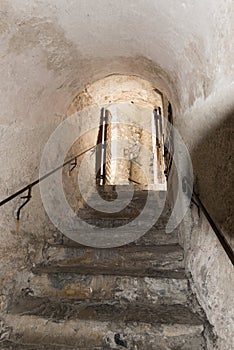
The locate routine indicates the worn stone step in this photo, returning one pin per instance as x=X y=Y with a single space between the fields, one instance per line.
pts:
x=107 y=222
x=165 y=257
x=103 y=310
x=95 y=335
x=129 y=214
x=156 y=235
x=133 y=222
x=125 y=202
x=123 y=209
x=126 y=189
x=107 y=270
x=161 y=255
x=136 y=200
x=130 y=202
x=124 y=192
x=89 y=213
x=144 y=290
x=148 y=261
x=8 y=345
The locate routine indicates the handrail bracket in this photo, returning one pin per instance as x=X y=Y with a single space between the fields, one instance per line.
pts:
x=73 y=165
x=27 y=197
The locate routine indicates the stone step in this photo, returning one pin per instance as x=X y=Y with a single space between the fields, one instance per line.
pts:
x=136 y=200
x=121 y=207
x=157 y=254
x=131 y=201
x=156 y=235
x=124 y=191
x=144 y=290
x=95 y=335
x=127 y=213
x=106 y=271
x=135 y=258
x=103 y=218
x=8 y=345
x=136 y=222
x=103 y=310
x=107 y=222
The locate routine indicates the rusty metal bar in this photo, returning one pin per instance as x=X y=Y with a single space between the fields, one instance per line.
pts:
x=31 y=185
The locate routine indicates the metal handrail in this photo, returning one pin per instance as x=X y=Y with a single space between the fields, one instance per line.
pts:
x=196 y=199
x=34 y=183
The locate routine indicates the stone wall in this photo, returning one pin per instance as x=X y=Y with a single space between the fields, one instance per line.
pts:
x=131 y=101
x=134 y=144
x=211 y=277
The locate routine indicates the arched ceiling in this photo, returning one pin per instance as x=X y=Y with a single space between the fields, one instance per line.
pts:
x=51 y=48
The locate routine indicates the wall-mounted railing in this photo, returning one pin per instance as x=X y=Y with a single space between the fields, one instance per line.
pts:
x=28 y=188
x=196 y=199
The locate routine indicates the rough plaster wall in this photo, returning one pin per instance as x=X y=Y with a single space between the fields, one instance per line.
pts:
x=51 y=49
x=208 y=131
x=75 y=187
x=212 y=278
x=117 y=88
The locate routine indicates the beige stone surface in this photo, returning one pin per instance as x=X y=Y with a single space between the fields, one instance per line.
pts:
x=212 y=277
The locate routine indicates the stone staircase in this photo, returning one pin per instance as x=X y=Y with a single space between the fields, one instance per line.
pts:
x=132 y=297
